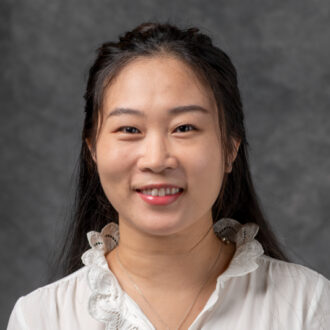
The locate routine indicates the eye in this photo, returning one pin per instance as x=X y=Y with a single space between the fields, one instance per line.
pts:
x=186 y=128
x=128 y=129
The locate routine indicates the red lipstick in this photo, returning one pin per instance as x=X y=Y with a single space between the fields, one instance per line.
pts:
x=159 y=200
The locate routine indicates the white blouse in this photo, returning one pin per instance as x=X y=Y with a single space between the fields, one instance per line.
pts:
x=255 y=292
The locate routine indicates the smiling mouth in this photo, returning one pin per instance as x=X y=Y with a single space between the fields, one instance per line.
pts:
x=160 y=197
x=160 y=192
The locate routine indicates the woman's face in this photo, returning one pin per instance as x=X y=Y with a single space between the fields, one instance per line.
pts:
x=145 y=139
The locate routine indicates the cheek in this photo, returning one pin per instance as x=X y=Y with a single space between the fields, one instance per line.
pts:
x=113 y=164
x=206 y=169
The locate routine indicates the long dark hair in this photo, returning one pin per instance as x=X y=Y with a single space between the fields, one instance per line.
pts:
x=237 y=198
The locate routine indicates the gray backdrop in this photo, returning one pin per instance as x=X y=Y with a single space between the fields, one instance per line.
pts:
x=281 y=51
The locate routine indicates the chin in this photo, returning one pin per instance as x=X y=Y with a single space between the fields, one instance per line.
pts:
x=160 y=227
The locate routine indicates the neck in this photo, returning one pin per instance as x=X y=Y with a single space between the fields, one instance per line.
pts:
x=171 y=260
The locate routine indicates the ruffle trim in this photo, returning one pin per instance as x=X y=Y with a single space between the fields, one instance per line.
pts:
x=108 y=302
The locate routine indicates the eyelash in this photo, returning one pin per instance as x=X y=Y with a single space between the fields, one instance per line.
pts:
x=185 y=125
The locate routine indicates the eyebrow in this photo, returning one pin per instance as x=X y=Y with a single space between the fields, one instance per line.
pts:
x=173 y=111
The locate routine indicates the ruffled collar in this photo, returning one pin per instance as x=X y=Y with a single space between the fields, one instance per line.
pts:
x=109 y=304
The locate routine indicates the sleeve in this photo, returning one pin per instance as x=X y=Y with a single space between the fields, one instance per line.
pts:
x=16 y=319
x=319 y=311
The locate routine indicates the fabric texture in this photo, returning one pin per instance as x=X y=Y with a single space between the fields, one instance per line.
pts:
x=255 y=292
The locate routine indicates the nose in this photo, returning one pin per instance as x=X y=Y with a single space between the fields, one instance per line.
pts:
x=157 y=155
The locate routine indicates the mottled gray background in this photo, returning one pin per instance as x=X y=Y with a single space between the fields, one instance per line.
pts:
x=281 y=51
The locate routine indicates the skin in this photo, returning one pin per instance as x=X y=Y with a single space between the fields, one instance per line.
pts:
x=155 y=240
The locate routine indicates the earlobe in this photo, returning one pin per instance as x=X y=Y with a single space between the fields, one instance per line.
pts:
x=91 y=149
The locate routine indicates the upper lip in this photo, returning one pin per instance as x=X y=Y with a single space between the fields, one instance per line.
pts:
x=158 y=186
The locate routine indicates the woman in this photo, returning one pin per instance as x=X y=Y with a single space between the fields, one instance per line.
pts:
x=176 y=237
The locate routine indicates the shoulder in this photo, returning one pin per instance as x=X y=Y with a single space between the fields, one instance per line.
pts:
x=56 y=302
x=289 y=271
x=60 y=289
x=294 y=285
x=290 y=276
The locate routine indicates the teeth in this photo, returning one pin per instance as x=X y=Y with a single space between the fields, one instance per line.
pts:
x=175 y=190
x=154 y=192
x=161 y=192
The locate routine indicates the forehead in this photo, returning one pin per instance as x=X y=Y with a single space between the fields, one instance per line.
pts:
x=157 y=81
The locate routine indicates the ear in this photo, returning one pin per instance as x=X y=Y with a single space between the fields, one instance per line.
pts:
x=232 y=157
x=91 y=149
